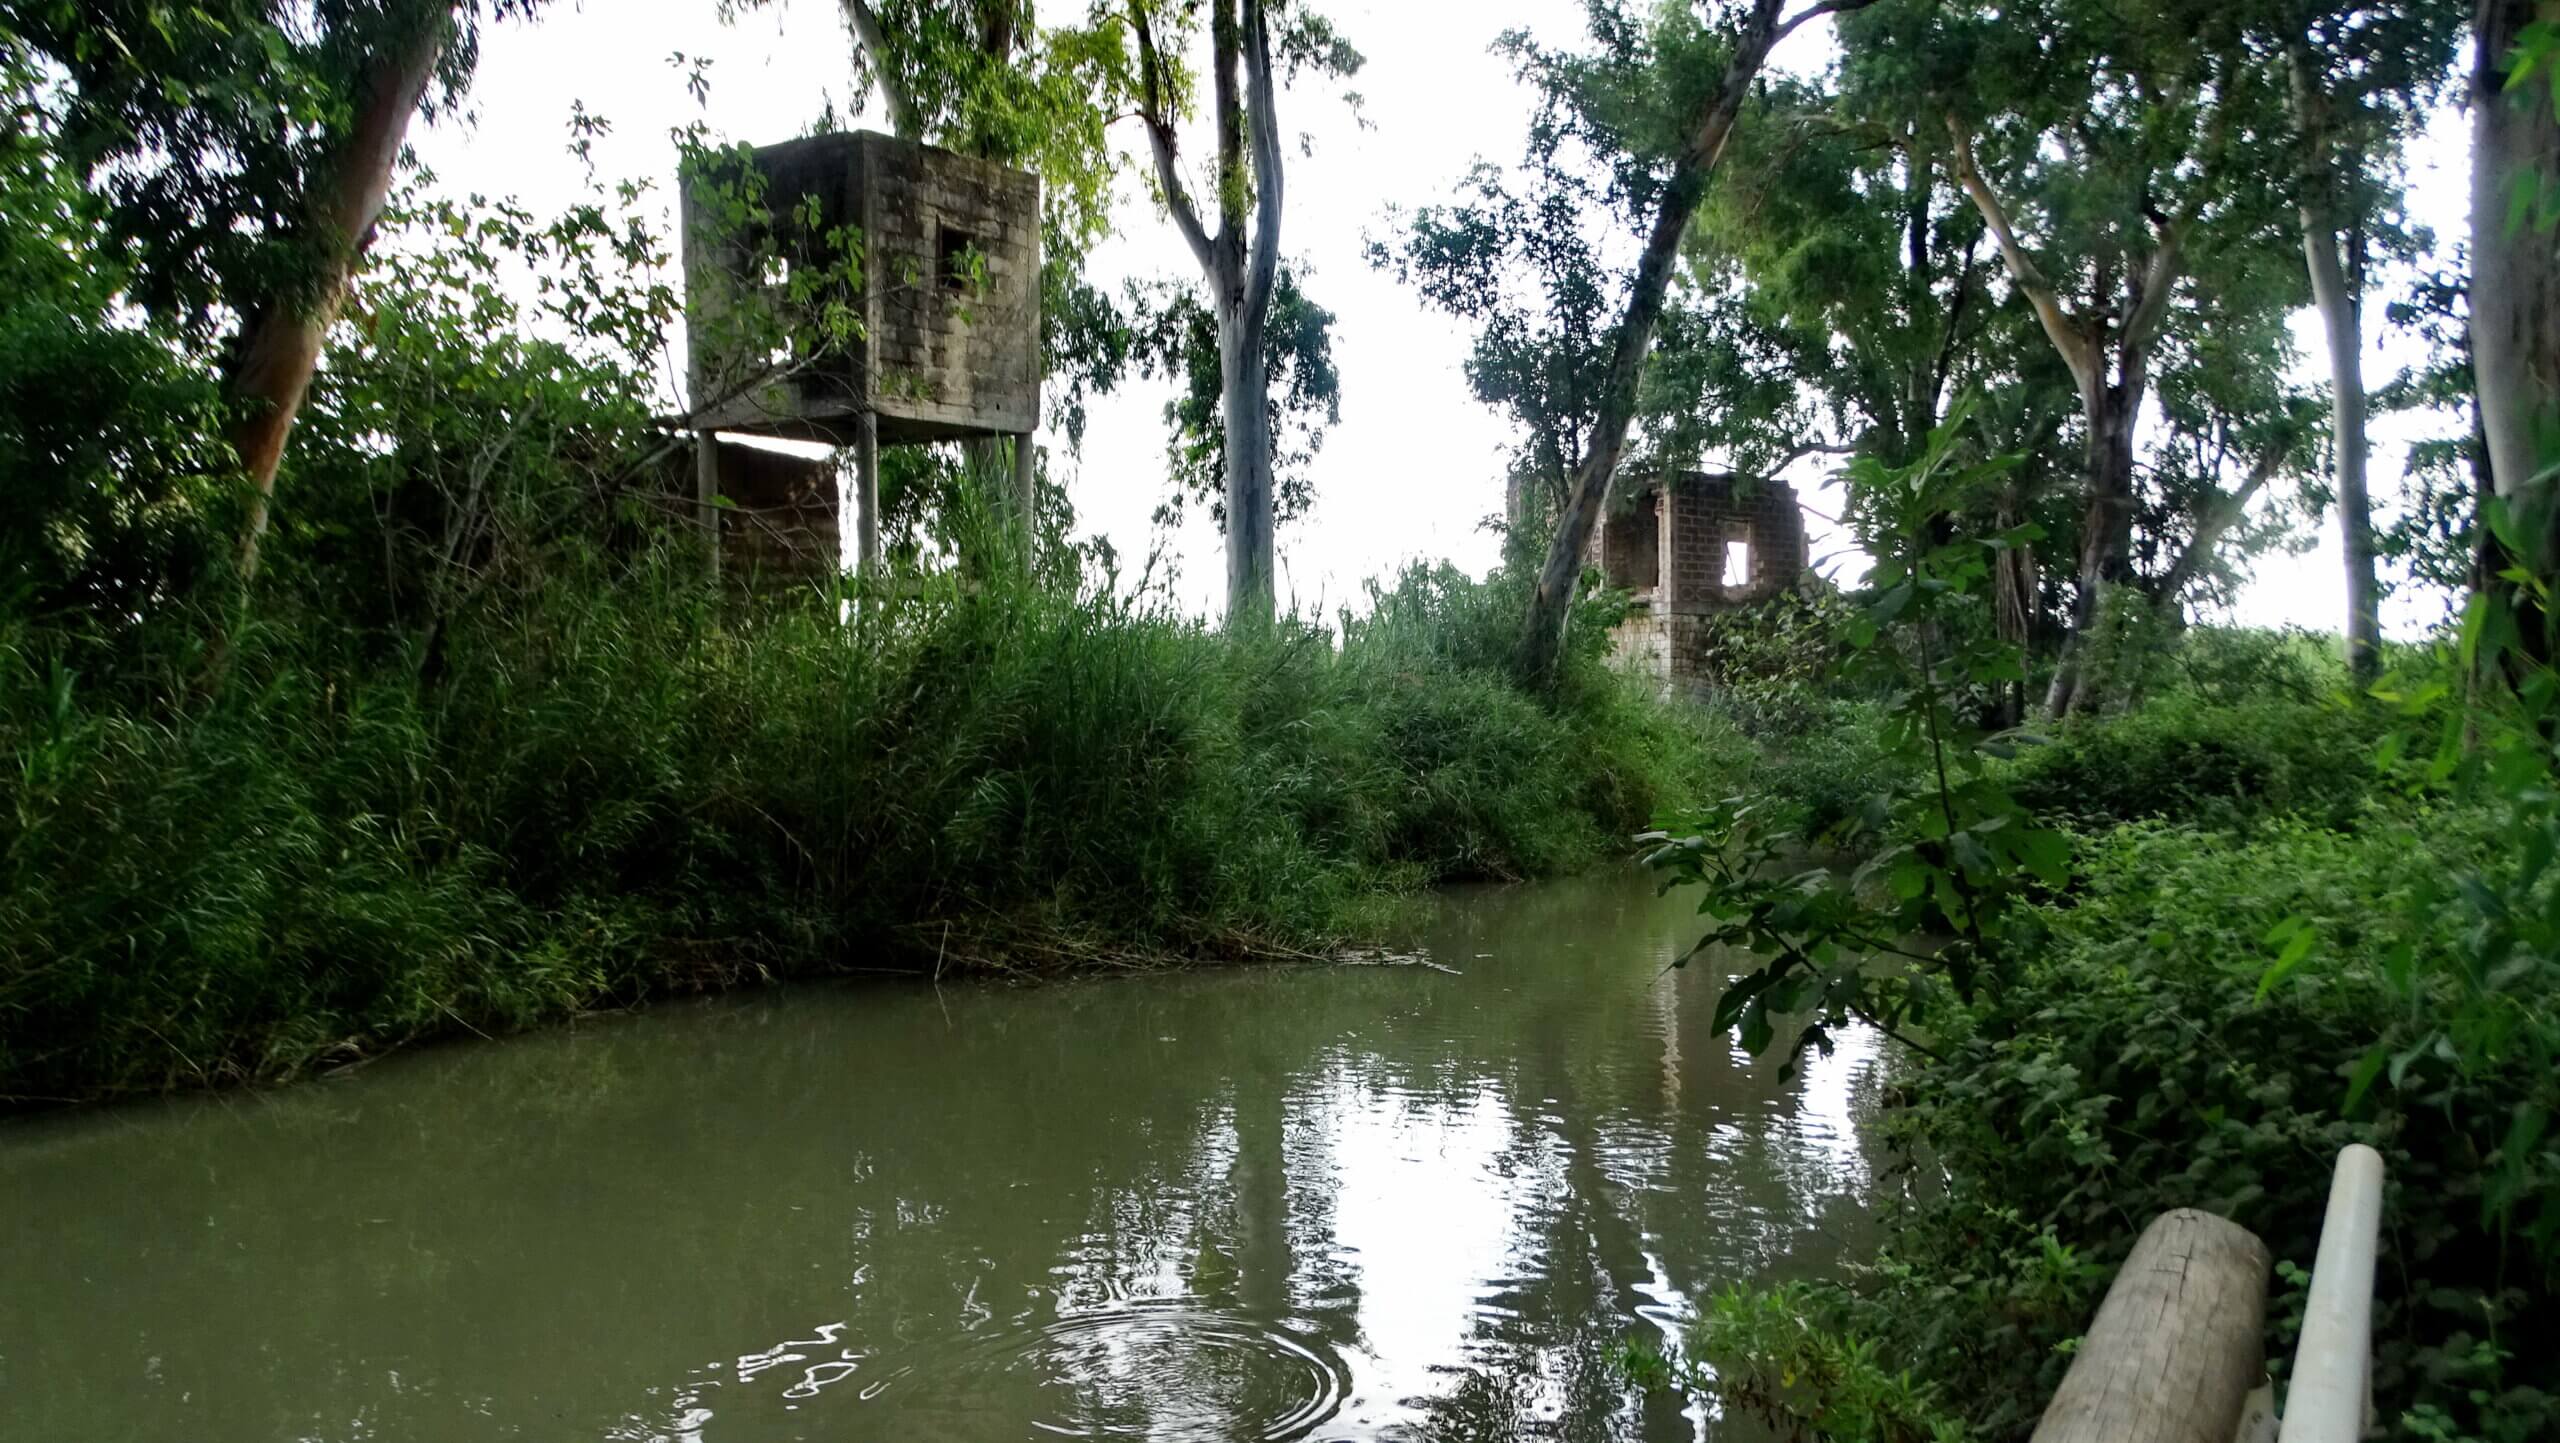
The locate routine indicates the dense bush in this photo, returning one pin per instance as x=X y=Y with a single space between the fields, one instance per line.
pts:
x=632 y=785
x=2168 y=1045
x=2183 y=757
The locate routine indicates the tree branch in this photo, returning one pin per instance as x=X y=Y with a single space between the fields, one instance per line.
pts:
x=2220 y=515
x=2076 y=351
x=874 y=40
x=1955 y=328
x=1151 y=112
x=1264 y=122
x=2168 y=259
x=1827 y=7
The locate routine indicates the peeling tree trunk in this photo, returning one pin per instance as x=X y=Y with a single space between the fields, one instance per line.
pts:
x=279 y=346
x=1244 y=406
x=2515 y=272
x=1542 y=635
x=2340 y=305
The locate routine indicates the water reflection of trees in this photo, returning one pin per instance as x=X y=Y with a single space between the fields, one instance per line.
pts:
x=590 y=1231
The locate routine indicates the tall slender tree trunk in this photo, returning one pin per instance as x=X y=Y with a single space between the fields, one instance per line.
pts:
x=2338 y=298
x=1240 y=269
x=1244 y=386
x=279 y=346
x=1551 y=605
x=2341 y=322
x=2013 y=597
x=2515 y=269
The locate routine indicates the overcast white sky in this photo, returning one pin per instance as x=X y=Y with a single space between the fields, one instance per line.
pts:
x=1415 y=465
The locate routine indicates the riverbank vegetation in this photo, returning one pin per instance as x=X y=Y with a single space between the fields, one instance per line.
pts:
x=2267 y=916
x=630 y=784
x=365 y=674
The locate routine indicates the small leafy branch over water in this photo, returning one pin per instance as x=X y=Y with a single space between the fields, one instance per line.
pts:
x=1946 y=848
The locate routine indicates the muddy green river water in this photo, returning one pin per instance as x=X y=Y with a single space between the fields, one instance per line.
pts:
x=1370 y=1202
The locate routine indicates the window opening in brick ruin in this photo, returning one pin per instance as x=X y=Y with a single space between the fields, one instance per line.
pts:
x=959 y=256
x=1631 y=549
x=1737 y=564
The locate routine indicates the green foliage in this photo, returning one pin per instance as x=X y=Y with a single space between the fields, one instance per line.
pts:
x=1770 y=1355
x=2351 y=950
x=2216 y=764
x=2191 y=1029
x=1175 y=336
x=619 y=786
x=1946 y=848
x=209 y=132
x=119 y=484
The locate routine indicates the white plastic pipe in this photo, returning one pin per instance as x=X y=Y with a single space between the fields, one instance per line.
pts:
x=2332 y=1365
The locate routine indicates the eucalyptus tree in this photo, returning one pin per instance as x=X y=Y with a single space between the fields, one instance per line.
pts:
x=1174 y=336
x=2360 y=79
x=1852 y=240
x=1529 y=256
x=2114 y=155
x=1252 y=44
x=2515 y=266
x=1519 y=257
x=1656 y=102
x=243 y=150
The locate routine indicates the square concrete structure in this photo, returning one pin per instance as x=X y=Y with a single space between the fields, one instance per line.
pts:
x=949 y=307
x=1687 y=545
x=946 y=342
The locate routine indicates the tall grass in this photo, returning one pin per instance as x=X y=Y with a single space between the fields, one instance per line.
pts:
x=615 y=790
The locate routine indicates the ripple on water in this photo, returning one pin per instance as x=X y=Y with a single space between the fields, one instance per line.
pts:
x=1162 y=1367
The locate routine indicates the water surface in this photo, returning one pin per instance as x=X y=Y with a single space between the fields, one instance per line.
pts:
x=1382 y=1202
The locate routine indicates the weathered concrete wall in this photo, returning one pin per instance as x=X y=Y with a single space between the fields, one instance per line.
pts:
x=950 y=302
x=954 y=293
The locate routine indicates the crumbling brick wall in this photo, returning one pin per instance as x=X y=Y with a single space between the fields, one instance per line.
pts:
x=954 y=314
x=1687 y=520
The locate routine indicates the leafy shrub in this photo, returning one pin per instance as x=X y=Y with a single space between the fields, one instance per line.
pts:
x=2184 y=758
x=1784 y=1357
x=2171 y=1045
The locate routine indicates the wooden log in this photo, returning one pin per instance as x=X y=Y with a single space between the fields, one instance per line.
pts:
x=2331 y=1389
x=2176 y=1346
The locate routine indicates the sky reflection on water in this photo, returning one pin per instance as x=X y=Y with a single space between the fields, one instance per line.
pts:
x=1365 y=1202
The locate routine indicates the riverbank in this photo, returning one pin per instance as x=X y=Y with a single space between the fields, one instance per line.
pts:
x=629 y=786
x=2292 y=919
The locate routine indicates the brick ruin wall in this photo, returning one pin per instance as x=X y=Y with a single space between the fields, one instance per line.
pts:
x=1666 y=544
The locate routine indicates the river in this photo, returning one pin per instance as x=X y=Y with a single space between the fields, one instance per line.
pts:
x=1359 y=1202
